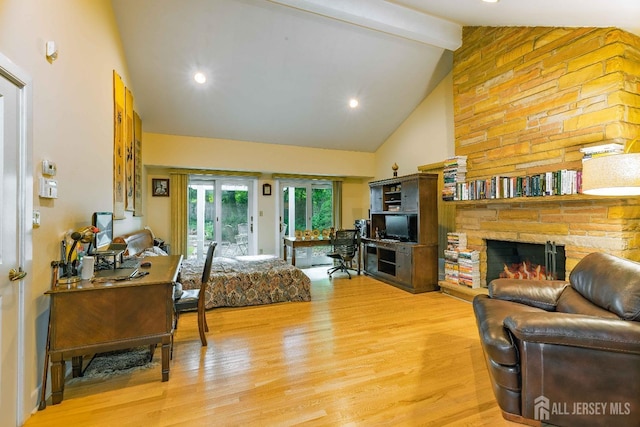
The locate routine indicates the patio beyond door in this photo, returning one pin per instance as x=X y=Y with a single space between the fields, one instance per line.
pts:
x=219 y=210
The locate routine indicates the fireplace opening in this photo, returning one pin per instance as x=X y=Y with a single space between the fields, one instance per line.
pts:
x=520 y=260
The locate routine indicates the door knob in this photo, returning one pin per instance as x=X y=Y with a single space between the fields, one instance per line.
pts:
x=15 y=275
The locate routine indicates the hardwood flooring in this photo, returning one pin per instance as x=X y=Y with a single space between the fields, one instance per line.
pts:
x=361 y=353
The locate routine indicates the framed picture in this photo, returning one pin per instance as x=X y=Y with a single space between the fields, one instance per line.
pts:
x=266 y=189
x=160 y=187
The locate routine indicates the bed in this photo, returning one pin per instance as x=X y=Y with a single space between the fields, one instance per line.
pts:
x=245 y=281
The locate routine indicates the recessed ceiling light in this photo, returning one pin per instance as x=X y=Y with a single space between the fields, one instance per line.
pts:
x=199 y=77
x=491 y=1
x=353 y=103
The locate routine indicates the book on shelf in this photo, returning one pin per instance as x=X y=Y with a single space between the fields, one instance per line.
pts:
x=556 y=183
x=454 y=171
x=601 y=150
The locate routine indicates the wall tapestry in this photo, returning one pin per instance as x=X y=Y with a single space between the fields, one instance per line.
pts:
x=118 y=147
x=129 y=165
x=137 y=161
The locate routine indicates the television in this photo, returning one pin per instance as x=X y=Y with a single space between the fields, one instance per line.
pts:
x=104 y=222
x=401 y=227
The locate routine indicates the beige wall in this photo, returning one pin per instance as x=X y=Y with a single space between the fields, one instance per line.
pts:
x=160 y=151
x=425 y=137
x=72 y=126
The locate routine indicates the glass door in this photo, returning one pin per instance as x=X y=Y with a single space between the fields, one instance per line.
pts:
x=307 y=206
x=219 y=210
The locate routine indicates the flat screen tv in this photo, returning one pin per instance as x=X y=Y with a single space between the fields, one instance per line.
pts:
x=400 y=227
x=104 y=222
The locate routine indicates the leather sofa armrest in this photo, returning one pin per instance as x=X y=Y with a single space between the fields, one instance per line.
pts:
x=542 y=294
x=576 y=330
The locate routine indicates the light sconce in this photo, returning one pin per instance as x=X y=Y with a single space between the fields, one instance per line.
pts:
x=51 y=51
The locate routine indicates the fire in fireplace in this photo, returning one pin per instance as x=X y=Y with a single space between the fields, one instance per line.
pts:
x=518 y=260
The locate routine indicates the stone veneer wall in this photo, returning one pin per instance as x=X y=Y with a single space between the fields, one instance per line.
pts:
x=526 y=99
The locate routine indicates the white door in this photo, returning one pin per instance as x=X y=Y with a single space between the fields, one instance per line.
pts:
x=11 y=144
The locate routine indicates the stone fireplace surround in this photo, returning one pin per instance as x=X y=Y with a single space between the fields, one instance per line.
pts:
x=526 y=99
x=580 y=223
x=519 y=260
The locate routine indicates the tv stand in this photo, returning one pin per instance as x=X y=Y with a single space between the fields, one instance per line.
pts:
x=408 y=265
x=401 y=264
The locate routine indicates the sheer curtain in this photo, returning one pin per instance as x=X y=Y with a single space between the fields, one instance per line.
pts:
x=337 y=204
x=179 y=193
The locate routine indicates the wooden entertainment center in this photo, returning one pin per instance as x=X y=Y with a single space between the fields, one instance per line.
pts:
x=404 y=212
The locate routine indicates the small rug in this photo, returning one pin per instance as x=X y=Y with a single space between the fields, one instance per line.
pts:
x=107 y=365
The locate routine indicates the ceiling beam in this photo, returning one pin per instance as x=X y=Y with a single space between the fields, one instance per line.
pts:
x=386 y=17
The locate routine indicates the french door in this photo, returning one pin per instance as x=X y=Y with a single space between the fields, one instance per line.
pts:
x=220 y=209
x=307 y=205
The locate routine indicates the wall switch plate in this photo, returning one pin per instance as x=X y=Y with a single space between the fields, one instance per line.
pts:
x=36 y=218
x=48 y=188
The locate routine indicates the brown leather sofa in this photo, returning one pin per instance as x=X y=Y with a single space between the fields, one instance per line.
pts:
x=566 y=352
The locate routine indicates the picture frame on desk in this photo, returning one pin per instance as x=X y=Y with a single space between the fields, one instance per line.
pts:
x=160 y=187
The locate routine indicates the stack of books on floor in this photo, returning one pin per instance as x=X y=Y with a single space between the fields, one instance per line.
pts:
x=454 y=172
x=469 y=268
x=455 y=243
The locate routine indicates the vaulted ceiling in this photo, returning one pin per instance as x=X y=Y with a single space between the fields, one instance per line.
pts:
x=284 y=71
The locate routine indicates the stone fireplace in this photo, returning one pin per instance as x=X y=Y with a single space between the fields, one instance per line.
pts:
x=526 y=99
x=519 y=260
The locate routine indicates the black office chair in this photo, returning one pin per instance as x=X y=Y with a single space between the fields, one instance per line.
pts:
x=193 y=299
x=344 y=245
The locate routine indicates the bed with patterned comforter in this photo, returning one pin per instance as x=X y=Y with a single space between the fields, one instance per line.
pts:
x=243 y=281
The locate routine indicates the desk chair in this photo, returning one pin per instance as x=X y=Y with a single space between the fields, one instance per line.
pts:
x=194 y=298
x=344 y=246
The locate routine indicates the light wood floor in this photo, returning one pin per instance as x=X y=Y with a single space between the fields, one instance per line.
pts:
x=361 y=353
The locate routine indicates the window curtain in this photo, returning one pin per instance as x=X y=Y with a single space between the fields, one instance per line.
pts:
x=179 y=192
x=337 y=204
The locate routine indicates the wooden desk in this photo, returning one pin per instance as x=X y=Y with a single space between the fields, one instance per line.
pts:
x=92 y=317
x=294 y=243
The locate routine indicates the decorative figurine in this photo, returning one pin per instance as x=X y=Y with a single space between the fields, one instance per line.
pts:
x=395 y=169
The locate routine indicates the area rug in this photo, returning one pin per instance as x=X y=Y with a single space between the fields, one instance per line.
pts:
x=110 y=364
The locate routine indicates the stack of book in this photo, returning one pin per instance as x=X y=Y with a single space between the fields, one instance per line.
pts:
x=601 y=150
x=469 y=268
x=455 y=243
x=455 y=172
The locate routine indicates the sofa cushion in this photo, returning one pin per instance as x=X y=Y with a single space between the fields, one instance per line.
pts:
x=572 y=302
x=496 y=340
x=540 y=294
x=610 y=282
